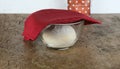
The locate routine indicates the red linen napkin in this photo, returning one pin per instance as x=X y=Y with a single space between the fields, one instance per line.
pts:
x=37 y=21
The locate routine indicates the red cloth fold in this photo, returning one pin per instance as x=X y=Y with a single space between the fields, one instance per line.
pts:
x=37 y=21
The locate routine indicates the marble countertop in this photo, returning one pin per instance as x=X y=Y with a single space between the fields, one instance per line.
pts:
x=97 y=48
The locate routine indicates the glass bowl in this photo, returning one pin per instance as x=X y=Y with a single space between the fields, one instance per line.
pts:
x=61 y=36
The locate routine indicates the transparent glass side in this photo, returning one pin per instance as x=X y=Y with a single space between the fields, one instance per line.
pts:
x=57 y=39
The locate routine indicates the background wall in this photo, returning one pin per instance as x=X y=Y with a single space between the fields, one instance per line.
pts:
x=29 y=6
